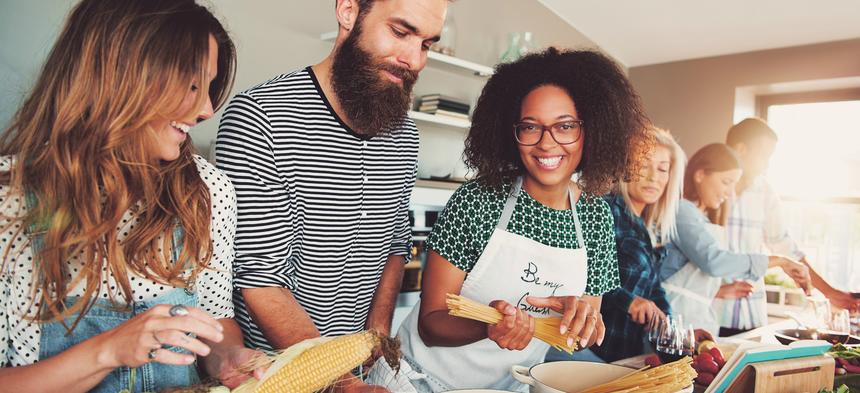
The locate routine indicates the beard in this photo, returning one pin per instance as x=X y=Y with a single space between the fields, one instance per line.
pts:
x=374 y=105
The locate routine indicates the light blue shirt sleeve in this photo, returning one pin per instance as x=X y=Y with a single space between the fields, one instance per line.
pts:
x=695 y=244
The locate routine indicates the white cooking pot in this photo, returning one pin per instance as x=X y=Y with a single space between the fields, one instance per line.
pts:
x=477 y=391
x=569 y=376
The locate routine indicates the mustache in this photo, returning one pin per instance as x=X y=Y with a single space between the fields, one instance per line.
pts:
x=406 y=75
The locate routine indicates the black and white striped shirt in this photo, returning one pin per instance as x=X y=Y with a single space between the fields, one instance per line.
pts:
x=320 y=208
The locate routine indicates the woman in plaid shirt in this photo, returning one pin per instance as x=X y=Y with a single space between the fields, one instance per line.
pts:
x=644 y=215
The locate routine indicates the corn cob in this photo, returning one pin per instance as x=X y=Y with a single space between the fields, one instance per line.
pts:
x=317 y=363
x=321 y=365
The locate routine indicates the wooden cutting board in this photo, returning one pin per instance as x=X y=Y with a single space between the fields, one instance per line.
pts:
x=809 y=374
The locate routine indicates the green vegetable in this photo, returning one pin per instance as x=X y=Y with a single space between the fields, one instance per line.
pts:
x=780 y=279
x=841 y=389
x=840 y=351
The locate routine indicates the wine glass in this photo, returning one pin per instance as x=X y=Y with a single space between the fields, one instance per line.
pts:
x=653 y=329
x=671 y=342
x=854 y=316
x=839 y=327
x=821 y=308
x=688 y=341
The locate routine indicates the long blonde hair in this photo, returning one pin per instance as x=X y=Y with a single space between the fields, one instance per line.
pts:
x=659 y=217
x=83 y=147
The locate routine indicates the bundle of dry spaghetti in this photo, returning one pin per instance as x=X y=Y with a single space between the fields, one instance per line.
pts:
x=546 y=329
x=668 y=378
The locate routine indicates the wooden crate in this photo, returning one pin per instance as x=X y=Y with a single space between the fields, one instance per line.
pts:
x=800 y=375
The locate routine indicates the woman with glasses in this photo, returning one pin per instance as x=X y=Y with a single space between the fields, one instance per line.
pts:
x=523 y=237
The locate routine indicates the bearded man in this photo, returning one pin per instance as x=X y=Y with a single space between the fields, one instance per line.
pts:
x=323 y=161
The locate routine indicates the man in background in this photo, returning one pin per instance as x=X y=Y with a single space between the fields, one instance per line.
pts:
x=756 y=225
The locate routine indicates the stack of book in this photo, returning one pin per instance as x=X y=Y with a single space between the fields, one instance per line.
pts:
x=441 y=105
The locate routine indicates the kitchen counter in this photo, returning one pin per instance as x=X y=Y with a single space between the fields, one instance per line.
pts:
x=763 y=335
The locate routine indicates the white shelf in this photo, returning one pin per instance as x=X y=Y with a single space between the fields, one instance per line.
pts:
x=429 y=194
x=442 y=185
x=460 y=64
x=440 y=120
x=441 y=61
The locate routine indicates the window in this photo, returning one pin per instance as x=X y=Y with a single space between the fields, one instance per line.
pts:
x=816 y=168
x=828 y=232
x=818 y=155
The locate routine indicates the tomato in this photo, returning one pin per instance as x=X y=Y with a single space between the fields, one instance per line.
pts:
x=705 y=378
x=653 y=361
x=706 y=365
x=718 y=357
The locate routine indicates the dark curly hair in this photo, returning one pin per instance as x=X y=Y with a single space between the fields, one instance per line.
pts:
x=614 y=123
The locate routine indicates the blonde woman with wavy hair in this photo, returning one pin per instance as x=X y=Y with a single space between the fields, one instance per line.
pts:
x=117 y=237
x=643 y=213
x=667 y=163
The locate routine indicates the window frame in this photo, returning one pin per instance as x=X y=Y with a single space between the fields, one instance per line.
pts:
x=763 y=102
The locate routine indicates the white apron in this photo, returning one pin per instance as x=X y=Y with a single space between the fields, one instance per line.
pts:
x=691 y=292
x=510 y=268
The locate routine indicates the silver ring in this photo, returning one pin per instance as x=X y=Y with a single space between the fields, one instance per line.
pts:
x=178 y=311
x=152 y=354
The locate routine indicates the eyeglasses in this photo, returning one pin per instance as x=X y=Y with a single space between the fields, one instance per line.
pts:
x=563 y=133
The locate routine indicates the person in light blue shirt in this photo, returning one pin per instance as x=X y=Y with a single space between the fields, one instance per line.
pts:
x=699 y=246
x=697 y=259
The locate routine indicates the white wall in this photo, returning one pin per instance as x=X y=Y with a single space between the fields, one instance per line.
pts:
x=27 y=31
x=278 y=36
x=698 y=100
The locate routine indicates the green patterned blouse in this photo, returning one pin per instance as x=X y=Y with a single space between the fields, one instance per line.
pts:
x=465 y=226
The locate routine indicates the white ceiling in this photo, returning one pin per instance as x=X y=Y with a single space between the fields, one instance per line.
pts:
x=641 y=32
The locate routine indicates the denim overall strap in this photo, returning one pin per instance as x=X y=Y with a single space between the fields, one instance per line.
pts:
x=105 y=315
x=178 y=236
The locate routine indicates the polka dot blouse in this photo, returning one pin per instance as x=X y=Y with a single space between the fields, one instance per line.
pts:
x=465 y=225
x=19 y=337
